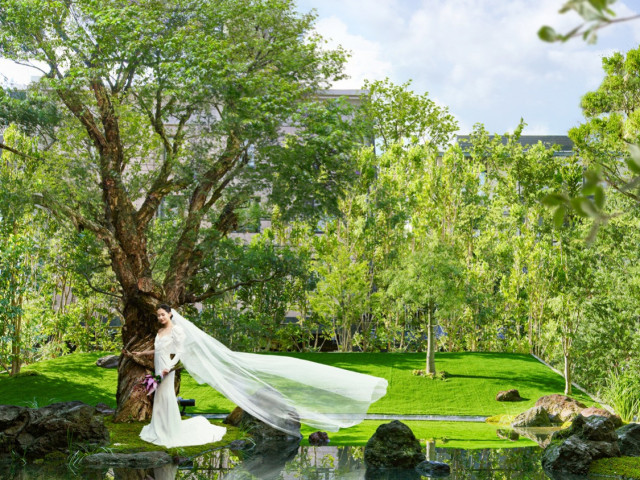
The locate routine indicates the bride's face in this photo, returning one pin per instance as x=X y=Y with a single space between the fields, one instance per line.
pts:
x=164 y=317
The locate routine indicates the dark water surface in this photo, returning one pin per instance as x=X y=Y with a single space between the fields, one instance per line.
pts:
x=313 y=463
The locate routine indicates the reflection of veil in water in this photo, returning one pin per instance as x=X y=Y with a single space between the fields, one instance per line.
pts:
x=166 y=472
x=280 y=390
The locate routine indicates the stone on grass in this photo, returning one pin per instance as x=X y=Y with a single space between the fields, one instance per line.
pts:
x=104 y=409
x=109 y=361
x=393 y=445
x=560 y=408
x=534 y=417
x=509 y=396
x=629 y=440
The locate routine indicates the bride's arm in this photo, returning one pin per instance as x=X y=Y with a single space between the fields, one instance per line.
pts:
x=178 y=342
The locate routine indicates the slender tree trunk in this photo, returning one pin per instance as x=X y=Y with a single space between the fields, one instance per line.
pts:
x=431 y=349
x=567 y=374
x=16 y=360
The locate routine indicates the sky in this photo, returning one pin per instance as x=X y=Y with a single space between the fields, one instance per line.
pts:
x=480 y=58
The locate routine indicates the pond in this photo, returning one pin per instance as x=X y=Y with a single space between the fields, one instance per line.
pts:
x=312 y=463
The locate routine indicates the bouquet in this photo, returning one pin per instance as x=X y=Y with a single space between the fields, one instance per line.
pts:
x=151 y=382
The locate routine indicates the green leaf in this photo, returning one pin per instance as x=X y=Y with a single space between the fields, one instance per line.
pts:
x=598 y=197
x=554 y=199
x=584 y=206
x=558 y=216
x=634 y=161
x=599 y=4
x=548 y=34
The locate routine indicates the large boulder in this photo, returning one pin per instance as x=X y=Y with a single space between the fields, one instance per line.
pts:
x=629 y=440
x=109 y=361
x=560 y=408
x=587 y=439
x=534 y=417
x=601 y=412
x=593 y=428
x=64 y=426
x=509 y=396
x=259 y=430
x=393 y=445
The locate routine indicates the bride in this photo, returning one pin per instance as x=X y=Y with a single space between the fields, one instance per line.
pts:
x=167 y=427
x=280 y=391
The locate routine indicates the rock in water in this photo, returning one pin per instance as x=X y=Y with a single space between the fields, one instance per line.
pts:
x=601 y=412
x=393 y=446
x=64 y=426
x=534 y=417
x=319 y=438
x=572 y=450
x=629 y=440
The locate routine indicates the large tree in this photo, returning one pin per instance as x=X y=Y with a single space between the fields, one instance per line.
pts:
x=176 y=105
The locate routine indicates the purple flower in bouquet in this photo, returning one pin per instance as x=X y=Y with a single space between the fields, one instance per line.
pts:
x=151 y=382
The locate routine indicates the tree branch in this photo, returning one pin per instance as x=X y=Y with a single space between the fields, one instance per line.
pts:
x=104 y=292
x=80 y=222
x=17 y=152
x=161 y=187
x=179 y=266
x=213 y=293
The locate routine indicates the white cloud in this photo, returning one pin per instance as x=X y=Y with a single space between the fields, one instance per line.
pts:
x=482 y=58
x=365 y=61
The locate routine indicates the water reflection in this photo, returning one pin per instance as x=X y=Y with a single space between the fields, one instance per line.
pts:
x=290 y=462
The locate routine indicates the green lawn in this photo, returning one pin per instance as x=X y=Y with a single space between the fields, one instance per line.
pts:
x=470 y=389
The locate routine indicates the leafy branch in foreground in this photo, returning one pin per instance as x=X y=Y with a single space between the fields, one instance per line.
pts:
x=596 y=15
x=607 y=143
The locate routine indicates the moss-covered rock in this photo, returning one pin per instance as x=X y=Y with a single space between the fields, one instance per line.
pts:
x=393 y=445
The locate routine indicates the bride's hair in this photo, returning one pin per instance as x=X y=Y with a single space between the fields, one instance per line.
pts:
x=166 y=308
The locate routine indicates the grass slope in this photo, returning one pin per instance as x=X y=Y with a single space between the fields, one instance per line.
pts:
x=470 y=389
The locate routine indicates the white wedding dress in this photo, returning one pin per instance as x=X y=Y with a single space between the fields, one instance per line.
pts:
x=281 y=391
x=167 y=427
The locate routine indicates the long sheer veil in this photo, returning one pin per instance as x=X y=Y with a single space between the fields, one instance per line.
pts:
x=280 y=390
